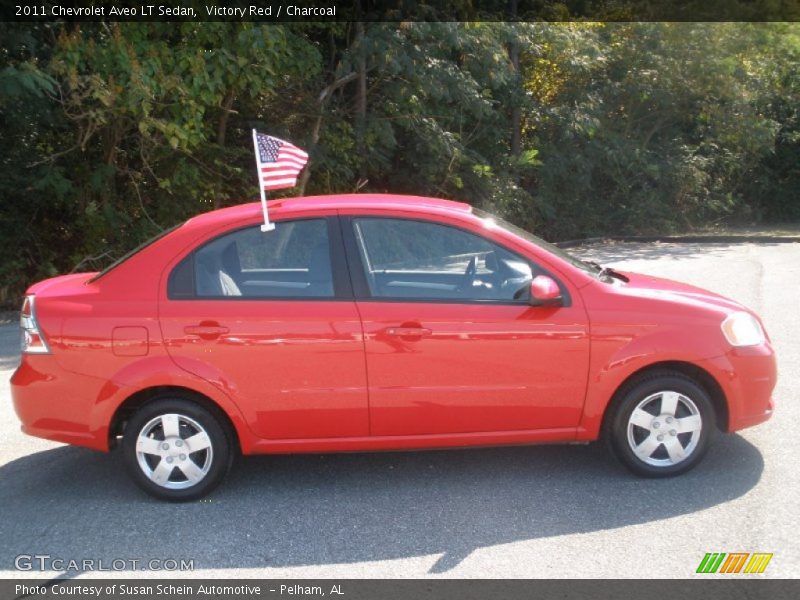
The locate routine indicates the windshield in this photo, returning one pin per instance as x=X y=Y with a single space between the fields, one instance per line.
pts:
x=136 y=250
x=526 y=235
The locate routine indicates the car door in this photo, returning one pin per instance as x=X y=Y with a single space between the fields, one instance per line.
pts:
x=270 y=319
x=452 y=344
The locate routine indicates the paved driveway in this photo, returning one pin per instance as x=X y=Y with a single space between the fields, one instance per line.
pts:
x=550 y=511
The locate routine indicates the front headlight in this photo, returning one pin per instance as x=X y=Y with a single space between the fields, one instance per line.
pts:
x=742 y=329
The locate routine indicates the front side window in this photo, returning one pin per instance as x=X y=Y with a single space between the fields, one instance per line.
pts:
x=293 y=261
x=496 y=221
x=422 y=260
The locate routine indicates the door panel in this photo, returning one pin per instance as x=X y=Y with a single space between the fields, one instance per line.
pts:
x=477 y=368
x=449 y=347
x=295 y=368
x=266 y=317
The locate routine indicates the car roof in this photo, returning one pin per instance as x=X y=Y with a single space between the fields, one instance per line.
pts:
x=332 y=202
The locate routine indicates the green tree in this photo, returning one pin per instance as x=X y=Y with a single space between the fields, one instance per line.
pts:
x=111 y=132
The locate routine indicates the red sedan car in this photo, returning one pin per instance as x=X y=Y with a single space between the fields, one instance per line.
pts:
x=370 y=322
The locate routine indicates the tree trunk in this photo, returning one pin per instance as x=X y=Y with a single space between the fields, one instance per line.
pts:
x=361 y=100
x=222 y=127
x=222 y=130
x=322 y=101
x=516 y=110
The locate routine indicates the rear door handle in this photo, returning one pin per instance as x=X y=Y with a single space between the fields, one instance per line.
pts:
x=408 y=331
x=207 y=331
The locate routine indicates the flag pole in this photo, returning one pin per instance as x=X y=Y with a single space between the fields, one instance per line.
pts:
x=267 y=226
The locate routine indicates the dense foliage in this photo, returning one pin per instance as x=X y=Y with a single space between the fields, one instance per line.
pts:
x=111 y=132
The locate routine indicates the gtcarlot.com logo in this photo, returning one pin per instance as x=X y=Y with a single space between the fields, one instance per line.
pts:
x=46 y=562
x=734 y=562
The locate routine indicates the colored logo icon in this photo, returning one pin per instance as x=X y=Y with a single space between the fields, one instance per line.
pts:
x=734 y=562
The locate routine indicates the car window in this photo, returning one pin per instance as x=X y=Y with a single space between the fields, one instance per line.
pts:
x=406 y=258
x=293 y=261
x=496 y=221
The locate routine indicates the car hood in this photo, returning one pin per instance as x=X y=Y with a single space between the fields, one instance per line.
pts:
x=667 y=289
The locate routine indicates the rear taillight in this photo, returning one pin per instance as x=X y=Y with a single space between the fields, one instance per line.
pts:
x=33 y=341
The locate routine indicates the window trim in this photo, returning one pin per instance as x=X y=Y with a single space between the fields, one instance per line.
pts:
x=363 y=293
x=342 y=287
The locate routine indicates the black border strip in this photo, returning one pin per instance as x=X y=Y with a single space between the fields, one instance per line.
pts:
x=287 y=11
x=710 y=587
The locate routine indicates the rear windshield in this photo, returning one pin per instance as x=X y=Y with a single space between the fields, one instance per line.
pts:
x=136 y=250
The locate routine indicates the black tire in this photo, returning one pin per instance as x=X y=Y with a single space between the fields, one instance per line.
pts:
x=648 y=387
x=214 y=461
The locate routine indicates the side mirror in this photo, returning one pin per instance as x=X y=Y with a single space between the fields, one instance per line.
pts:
x=545 y=291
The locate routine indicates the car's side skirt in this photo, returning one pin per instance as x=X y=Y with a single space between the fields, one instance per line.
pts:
x=415 y=442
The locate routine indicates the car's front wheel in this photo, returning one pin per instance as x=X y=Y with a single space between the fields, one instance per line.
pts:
x=661 y=424
x=176 y=450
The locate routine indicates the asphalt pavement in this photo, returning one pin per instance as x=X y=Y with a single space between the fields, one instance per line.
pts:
x=546 y=511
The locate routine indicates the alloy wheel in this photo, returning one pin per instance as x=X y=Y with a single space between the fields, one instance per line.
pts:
x=664 y=428
x=174 y=451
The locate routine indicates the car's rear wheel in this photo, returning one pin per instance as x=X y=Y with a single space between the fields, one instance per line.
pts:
x=661 y=424
x=176 y=450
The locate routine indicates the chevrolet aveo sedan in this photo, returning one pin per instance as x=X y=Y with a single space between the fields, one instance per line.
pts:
x=369 y=322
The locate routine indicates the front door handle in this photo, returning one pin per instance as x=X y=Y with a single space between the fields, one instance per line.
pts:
x=408 y=331
x=207 y=330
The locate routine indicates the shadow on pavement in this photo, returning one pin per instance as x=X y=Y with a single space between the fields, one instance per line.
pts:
x=279 y=511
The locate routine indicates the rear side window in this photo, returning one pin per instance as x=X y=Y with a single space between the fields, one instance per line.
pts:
x=181 y=280
x=293 y=261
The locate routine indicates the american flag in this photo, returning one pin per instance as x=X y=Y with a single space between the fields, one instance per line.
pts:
x=279 y=162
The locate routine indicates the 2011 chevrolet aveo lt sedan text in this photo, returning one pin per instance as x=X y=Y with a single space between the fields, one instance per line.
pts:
x=369 y=322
